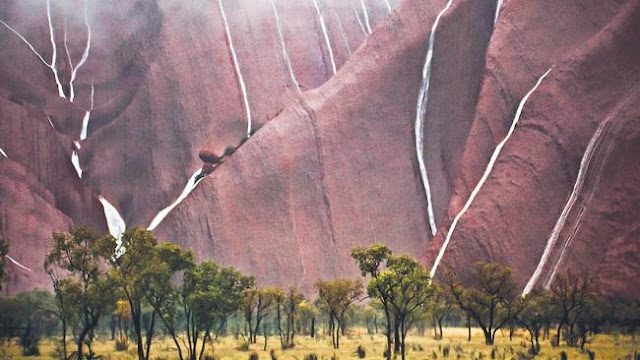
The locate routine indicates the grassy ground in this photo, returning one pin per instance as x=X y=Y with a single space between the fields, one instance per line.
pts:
x=605 y=347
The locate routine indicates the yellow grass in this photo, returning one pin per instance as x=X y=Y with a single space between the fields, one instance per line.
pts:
x=605 y=346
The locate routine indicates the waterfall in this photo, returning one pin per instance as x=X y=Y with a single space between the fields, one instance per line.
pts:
x=364 y=31
x=191 y=184
x=596 y=142
x=326 y=36
x=388 y=5
x=366 y=16
x=50 y=122
x=87 y=116
x=342 y=33
x=85 y=55
x=498 y=6
x=75 y=160
x=485 y=176
x=3 y=153
x=421 y=109
x=285 y=54
x=115 y=224
x=236 y=65
x=18 y=264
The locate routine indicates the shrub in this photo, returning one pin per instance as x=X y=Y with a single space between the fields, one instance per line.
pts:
x=592 y=354
x=122 y=344
x=445 y=351
x=254 y=356
x=272 y=353
x=361 y=352
x=563 y=355
x=210 y=357
x=244 y=346
x=311 y=356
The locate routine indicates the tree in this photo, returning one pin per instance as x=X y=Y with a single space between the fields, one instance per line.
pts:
x=441 y=306
x=534 y=316
x=256 y=305
x=36 y=318
x=86 y=292
x=370 y=260
x=573 y=299
x=307 y=319
x=287 y=303
x=207 y=297
x=4 y=250
x=336 y=296
x=407 y=286
x=491 y=300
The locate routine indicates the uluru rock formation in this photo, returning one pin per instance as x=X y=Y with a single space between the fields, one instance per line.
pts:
x=305 y=115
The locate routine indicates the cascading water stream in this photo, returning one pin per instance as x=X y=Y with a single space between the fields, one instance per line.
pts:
x=602 y=138
x=486 y=173
x=3 y=153
x=191 y=184
x=87 y=116
x=54 y=56
x=498 y=7
x=342 y=33
x=326 y=36
x=115 y=224
x=236 y=65
x=355 y=12
x=83 y=60
x=50 y=122
x=388 y=5
x=366 y=16
x=285 y=54
x=75 y=160
x=15 y=262
x=421 y=109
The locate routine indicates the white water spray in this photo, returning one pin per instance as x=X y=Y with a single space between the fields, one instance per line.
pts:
x=326 y=36
x=285 y=54
x=87 y=116
x=191 y=184
x=596 y=142
x=85 y=55
x=498 y=6
x=366 y=16
x=236 y=65
x=115 y=224
x=75 y=160
x=485 y=176
x=3 y=153
x=15 y=262
x=421 y=109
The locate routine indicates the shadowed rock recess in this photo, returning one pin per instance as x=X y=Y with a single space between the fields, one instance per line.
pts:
x=223 y=127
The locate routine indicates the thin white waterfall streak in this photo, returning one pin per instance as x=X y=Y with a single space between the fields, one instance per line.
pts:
x=115 y=224
x=355 y=12
x=87 y=116
x=326 y=36
x=421 y=109
x=50 y=122
x=285 y=54
x=485 y=176
x=54 y=55
x=366 y=16
x=388 y=5
x=18 y=264
x=3 y=153
x=602 y=134
x=75 y=160
x=342 y=33
x=77 y=145
x=236 y=65
x=191 y=184
x=498 y=6
x=85 y=55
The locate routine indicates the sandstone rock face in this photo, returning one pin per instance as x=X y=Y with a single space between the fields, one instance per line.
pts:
x=331 y=161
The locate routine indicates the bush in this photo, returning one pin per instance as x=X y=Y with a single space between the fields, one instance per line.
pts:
x=122 y=344
x=273 y=354
x=254 y=356
x=592 y=354
x=311 y=356
x=244 y=346
x=361 y=352
x=210 y=357
x=563 y=355
x=445 y=351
